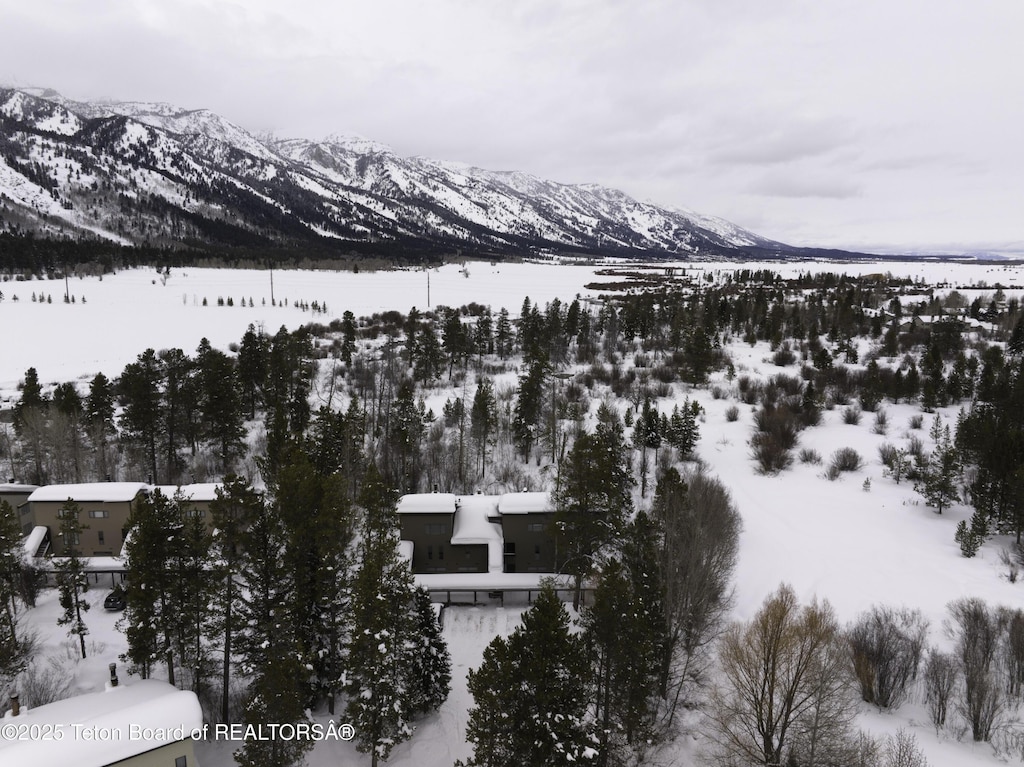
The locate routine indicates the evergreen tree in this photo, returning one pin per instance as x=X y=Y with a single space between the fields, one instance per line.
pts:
x=528 y=406
x=149 y=619
x=348 y=336
x=483 y=418
x=530 y=695
x=14 y=647
x=592 y=498
x=504 y=336
x=267 y=646
x=219 y=404
x=139 y=392
x=938 y=474
x=236 y=504
x=624 y=631
x=252 y=368
x=431 y=671
x=72 y=581
x=379 y=652
x=429 y=359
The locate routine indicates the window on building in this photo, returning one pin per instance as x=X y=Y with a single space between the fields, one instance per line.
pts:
x=535 y=527
x=430 y=552
x=70 y=539
x=440 y=552
x=61 y=513
x=536 y=552
x=99 y=514
x=100 y=533
x=195 y=513
x=437 y=528
x=181 y=761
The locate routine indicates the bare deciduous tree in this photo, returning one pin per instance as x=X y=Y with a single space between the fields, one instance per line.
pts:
x=700 y=535
x=783 y=692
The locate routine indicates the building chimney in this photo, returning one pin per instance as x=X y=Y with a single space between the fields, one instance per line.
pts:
x=15 y=704
x=113 y=675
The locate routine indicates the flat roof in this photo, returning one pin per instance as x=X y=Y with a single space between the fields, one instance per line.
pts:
x=145 y=704
x=427 y=503
x=198 y=491
x=8 y=488
x=525 y=503
x=95 y=492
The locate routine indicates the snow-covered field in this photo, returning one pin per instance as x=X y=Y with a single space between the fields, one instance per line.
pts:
x=834 y=540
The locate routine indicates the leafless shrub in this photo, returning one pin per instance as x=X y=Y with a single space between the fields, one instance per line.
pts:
x=45 y=682
x=881 y=425
x=901 y=750
x=940 y=677
x=808 y=455
x=886 y=454
x=886 y=646
x=771 y=456
x=978 y=631
x=732 y=413
x=851 y=415
x=845 y=459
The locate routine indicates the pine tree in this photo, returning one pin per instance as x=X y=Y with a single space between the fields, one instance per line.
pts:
x=530 y=694
x=504 y=336
x=72 y=581
x=139 y=391
x=592 y=497
x=219 y=405
x=148 y=621
x=252 y=368
x=379 y=651
x=267 y=644
x=938 y=474
x=14 y=647
x=483 y=419
x=431 y=672
x=236 y=504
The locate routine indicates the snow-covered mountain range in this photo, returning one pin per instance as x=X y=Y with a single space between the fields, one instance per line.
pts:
x=142 y=173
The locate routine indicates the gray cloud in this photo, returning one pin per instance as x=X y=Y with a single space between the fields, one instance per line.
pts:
x=770 y=113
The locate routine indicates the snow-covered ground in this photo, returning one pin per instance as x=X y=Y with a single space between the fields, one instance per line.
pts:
x=832 y=540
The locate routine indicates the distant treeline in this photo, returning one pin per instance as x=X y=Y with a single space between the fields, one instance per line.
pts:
x=37 y=256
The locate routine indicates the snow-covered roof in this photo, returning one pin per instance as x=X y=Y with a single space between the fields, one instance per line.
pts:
x=201 y=491
x=492 y=581
x=426 y=503
x=486 y=504
x=8 y=488
x=119 y=713
x=34 y=540
x=96 y=492
x=472 y=526
x=524 y=503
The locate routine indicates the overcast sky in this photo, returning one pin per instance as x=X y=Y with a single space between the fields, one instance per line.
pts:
x=864 y=124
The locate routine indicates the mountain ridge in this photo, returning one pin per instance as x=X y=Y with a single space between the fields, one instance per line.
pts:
x=154 y=174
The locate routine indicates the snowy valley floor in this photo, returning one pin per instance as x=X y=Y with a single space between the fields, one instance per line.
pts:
x=838 y=541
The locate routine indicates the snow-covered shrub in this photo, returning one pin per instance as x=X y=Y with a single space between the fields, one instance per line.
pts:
x=732 y=413
x=851 y=415
x=916 y=421
x=887 y=454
